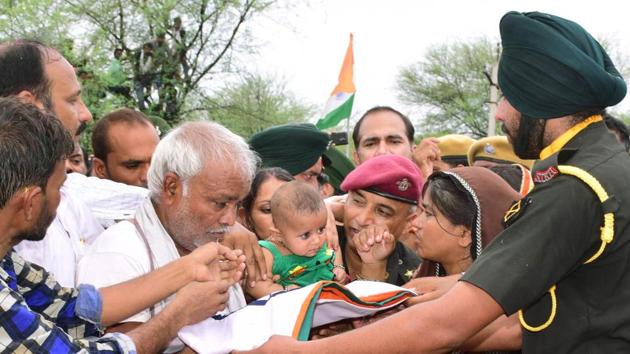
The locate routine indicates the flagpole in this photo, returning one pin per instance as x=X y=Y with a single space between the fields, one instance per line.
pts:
x=348 y=134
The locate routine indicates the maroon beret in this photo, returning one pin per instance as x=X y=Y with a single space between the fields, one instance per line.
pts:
x=390 y=176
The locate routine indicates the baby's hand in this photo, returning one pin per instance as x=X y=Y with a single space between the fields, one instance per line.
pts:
x=374 y=243
x=341 y=276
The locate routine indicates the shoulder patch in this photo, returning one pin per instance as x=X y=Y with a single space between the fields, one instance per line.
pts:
x=545 y=175
x=516 y=210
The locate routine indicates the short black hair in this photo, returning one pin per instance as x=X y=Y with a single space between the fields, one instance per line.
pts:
x=410 y=131
x=100 y=138
x=31 y=143
x=22 y=68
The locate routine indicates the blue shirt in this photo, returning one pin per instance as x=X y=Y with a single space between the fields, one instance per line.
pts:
x=37 y=315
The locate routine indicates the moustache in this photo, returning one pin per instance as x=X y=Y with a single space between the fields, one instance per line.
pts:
x=219 y=230
x=213 y=234
x=81 y=128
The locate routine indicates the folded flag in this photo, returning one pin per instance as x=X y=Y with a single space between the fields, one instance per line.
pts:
x=291 y=313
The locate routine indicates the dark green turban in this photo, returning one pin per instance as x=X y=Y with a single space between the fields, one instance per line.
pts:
x=293 y=147
x=551 y=67
x=338 y=168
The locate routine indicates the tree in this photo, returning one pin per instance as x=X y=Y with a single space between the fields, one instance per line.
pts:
x=451 y=85
x=255 y=103
x=215 y=32
x=450 y=88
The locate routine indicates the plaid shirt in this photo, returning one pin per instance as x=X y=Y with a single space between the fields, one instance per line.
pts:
x=37 y=315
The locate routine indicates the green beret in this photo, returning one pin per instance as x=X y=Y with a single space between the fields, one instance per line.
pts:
x=551 y=67
x=294 y=147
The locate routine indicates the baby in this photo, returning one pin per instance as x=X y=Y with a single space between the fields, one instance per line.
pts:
x=296 y=252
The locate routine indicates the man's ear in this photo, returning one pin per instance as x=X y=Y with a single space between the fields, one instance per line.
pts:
x=99 y=169
x=355 y=157
x=30 y=202
x=29 y=97
x=171 y=187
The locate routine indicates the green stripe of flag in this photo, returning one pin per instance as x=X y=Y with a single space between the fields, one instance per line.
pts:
x=337 y=115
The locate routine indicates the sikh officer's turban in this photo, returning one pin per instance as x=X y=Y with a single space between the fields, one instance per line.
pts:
x=294 y=147
x=551 y=67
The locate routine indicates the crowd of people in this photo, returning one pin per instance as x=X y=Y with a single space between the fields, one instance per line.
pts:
x=512 y=243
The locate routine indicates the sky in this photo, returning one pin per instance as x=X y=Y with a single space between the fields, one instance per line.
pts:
x=304 y=43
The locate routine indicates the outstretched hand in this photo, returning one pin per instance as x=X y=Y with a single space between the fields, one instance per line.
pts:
x=198 y=301
x=430 y=288
x=242 y=239
x=208 y=262
x=425 y=154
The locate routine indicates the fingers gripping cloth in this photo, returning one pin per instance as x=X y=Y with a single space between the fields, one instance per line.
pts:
x=606 y=236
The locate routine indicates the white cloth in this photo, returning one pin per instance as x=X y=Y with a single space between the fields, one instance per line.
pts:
x=108 y=201
x=291 y=313
x=73 y=228
x=87 y=205
x=121 y=254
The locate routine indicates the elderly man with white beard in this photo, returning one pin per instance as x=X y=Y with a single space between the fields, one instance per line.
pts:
x=199 y=172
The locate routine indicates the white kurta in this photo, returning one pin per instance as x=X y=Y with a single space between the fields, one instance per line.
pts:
x=87 y=205
x=120 y=254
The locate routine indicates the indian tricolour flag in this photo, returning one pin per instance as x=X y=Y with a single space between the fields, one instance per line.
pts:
x=339 y=105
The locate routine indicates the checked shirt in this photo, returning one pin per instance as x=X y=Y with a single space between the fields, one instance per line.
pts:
x=37 y=315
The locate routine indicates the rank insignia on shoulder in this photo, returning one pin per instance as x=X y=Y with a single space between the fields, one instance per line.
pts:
x=516 y=210
x=545 y=175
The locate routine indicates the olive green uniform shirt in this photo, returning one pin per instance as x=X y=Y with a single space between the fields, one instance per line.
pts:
x=547 y=242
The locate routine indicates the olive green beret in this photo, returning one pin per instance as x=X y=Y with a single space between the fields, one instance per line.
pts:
x=551 y=67
x=454 y=146
x=495 y=149
x=293 y=147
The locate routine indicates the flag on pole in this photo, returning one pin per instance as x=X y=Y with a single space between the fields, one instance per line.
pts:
x=339 y=105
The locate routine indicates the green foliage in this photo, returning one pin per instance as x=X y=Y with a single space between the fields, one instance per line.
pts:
x=623 y=116
x=255 y=103
x=621 y=60
x=450 y=87
x=88 y=31
x=23 y=19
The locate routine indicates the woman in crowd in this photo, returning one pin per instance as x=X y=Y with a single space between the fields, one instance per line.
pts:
x=463 y=211
x=255 y=212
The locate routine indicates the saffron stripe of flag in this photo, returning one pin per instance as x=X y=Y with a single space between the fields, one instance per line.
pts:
x=339 y=105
